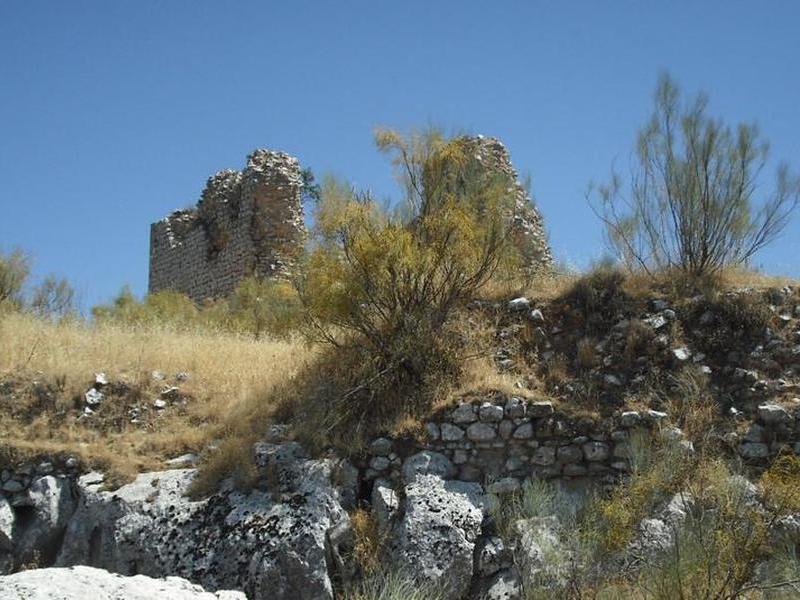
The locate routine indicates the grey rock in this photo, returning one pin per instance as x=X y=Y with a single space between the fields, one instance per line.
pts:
x=682 y=354
x=53 y=503
x=754 y=450
x=492 y=556
x=655 y=416
x=505 y=428
x=13 y=486
x=537 y=316
x=490 y=413
x=465 y=413
x=379 y=463
x=515 y=408
x=380 y=446
x=451 y=433
x=630 y=418
x=93 y=397
x=596 y=451
x=435 y=539
x=772 y=414
x=385 y=503
x=481 y=432
x=540 y=409
x=524 y=431
x=271 y=544
x=184 y=460
x=537 y=540
x=504 y=585
x=755 y=433
x=519 y=304
x=569 y=454
x=506 y=485
x=427 y=463
x=432 y=430
x=80 y=583
x=573 y=470
x=544 y=456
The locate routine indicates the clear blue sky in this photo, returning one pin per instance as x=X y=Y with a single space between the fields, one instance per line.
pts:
x=114 y=113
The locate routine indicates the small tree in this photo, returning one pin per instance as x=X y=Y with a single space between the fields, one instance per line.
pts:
x=53 y=297
x=693 y=202
x=14 y=269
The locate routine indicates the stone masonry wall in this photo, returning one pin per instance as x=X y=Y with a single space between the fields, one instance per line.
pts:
x=246 y=223
x=506 y=440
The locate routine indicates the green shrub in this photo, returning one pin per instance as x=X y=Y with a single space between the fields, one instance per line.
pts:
x=265 y=307
x=693 y=204
x=382 y=287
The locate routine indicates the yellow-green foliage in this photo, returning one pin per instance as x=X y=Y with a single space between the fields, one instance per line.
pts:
x=368 y=540
x=659 y=470
x=781 y=483
x=257 y=306
x=383 y=285
x=265 y=307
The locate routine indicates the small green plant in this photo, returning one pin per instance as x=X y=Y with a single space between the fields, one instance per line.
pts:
x=393 y=586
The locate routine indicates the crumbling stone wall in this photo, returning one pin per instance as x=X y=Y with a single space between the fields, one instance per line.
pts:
x=246 y=223
x=502 y=441
x=527 y=225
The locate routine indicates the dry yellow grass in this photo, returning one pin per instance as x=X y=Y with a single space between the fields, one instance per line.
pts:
x=226 y=373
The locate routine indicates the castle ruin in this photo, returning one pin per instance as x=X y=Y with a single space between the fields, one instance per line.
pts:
x=247 y=223
x=250 y=223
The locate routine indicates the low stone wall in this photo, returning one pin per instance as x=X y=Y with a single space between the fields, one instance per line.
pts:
x=504 y=441
x=15 y=480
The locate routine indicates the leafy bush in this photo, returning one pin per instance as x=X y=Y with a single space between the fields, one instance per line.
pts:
x=14 y=269
x=265 y=307
x=383 y=286
x=739 y=319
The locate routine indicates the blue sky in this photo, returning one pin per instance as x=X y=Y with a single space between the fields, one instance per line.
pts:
x=114 y=113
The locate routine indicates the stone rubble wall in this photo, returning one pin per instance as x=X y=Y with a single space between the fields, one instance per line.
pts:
x=246 y=223
x=505 y=441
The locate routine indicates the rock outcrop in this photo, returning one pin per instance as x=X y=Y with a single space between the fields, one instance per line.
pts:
x=81 y=583
x=278 y=541
x=435 y=539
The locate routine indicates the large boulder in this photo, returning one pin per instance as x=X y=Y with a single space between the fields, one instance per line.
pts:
x=48 y=508
x=540 y=554
x=271 y=542
x=80 y=583
x=7 y=521
x=435 y=538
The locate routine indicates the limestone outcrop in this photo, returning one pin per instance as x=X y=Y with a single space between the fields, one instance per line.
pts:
x=80 y=583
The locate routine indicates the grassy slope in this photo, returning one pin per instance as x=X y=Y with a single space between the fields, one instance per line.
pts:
x=224 y=369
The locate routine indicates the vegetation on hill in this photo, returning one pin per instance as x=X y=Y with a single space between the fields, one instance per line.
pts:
x=399 y=312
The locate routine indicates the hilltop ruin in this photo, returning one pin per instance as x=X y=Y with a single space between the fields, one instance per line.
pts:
x=251 y=223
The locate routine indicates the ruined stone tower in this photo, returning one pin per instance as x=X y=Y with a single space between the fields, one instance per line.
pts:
x=246 y=223
x=527 y=225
